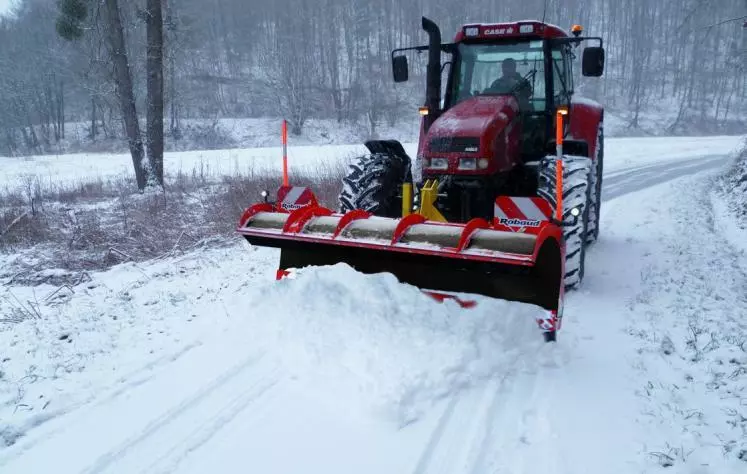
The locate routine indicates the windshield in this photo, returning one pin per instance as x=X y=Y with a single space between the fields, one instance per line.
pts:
x=508 y=67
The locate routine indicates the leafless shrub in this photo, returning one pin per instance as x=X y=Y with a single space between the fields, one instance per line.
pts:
x=673 y=454
x=16 y=310
x=326 y=182
x=236 y=194
x=93 y=225
x=32 y=191
x=20 y=227
x=692 y=342
x=184 y=183
x=75 y=193
x=11 y=198
x=88 y=231
x=210 y=136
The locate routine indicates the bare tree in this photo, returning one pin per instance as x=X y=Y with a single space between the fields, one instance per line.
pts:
x=125 y=91
x=305 y=59
x=70 y=26
x=154 y=22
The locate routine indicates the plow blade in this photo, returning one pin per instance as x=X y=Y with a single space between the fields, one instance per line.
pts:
x=440 y=258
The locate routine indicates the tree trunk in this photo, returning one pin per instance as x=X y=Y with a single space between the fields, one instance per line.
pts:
x=125 y=93
x=154 y=15
x=94 y=132
x=61 y=108
x=170 y=42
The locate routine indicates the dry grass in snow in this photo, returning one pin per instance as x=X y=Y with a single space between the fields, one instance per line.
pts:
x=55 y=233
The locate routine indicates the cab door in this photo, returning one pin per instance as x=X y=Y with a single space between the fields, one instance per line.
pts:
x=562 y=60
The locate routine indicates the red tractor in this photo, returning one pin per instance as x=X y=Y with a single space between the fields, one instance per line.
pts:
x=505 y=192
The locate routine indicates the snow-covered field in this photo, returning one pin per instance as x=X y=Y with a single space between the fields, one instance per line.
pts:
x=657 y=119
x=621 y=153
x=203 y=363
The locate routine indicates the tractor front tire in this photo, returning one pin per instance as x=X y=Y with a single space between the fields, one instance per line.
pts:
x=374 y=184
x=577 y=191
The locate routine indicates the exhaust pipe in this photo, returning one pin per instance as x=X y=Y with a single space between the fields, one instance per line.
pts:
x=433 y=75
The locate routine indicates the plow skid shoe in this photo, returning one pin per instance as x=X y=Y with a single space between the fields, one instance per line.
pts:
x=472 y=258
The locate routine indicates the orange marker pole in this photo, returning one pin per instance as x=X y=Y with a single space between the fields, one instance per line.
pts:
x=285 y=152
x=559 y=165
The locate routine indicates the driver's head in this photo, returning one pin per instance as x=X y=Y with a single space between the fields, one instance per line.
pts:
x=509 y=67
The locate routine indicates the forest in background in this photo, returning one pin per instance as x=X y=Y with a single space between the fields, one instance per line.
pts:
x=330 y=59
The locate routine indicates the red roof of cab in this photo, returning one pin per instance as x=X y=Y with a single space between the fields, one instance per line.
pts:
x=511 y=30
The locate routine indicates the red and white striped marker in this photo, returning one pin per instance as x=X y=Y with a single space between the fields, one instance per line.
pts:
x=291 y=198
x=521 y=212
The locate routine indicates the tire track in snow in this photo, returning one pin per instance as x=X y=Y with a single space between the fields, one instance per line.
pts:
x=70 y=414
x=459 y=443
x=536 y=448
x=622 y=182
x=662 y=165
x=171 y=459
x=504 y=421
x=180 y=418
x=435 y=438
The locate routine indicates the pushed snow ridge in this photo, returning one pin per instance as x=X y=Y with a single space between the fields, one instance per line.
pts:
x=371 y=339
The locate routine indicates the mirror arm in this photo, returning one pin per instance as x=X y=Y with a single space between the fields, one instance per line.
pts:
x=577 y=41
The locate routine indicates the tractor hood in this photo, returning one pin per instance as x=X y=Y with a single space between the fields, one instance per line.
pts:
x=476 y=116
x=477 y=125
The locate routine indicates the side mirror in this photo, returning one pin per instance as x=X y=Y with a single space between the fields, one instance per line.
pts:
x=400 y=68
x=592 y=64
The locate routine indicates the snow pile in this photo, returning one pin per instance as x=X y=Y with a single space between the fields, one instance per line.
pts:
x=377 y=344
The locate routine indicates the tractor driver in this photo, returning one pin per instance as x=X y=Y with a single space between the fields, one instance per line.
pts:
x=511 y=82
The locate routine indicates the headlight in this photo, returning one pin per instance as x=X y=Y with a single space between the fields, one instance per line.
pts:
x=468 y=164
x=483 y=163
x=438 y=164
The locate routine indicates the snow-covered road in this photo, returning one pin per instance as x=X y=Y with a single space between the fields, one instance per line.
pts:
x=204 y=364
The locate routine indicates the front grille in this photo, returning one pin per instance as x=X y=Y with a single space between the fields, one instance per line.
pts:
x=454 y=145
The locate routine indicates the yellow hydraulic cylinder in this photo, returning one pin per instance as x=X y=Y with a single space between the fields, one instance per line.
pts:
x=428 y=196
x=406 y=199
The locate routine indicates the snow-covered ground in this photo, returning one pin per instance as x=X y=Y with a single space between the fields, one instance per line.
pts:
x=208 y=134
x=656 y=119
x=203 y=363
x=621 y=153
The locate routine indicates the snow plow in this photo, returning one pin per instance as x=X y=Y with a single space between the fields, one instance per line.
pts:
x=509 y=193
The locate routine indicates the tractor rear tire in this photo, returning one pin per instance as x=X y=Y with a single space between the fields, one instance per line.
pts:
x=592 y=233
x=374 y=184
x=577 y=191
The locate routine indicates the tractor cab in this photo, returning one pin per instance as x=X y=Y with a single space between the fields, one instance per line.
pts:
x=531 y=61
x=515 y=66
